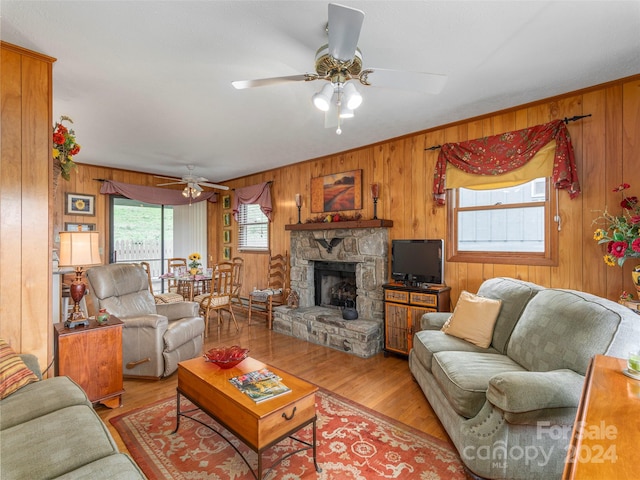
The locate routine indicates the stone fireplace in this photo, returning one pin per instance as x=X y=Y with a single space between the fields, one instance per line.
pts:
x=351 y=258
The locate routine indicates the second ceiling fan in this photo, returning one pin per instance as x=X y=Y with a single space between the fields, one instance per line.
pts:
x=340 y=63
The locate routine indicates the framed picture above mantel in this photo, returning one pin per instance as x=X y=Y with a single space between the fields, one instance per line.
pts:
x=337 y=192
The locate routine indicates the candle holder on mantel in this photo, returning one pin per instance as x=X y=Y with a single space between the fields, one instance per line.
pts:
x=375 y=193
x=299 y=205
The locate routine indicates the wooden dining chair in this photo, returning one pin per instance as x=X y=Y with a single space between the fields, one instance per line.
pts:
x=238 y=270
x=274 y=292
x=168 y=297
x=173 y=285
x=219 y=298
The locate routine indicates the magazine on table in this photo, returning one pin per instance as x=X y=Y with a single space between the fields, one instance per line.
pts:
x=260 y=385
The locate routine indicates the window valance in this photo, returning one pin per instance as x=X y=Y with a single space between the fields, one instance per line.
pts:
x=259 y=193
x=153 y=195
x=499 y=157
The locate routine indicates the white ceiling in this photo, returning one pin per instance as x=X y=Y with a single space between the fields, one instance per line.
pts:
x=148 y=83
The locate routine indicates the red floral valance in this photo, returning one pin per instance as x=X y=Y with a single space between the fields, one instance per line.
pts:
x=500 y=154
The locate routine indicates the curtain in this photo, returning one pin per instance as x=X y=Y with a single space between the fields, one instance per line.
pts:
x=153 y=195
x=500 y=155
x=190 y=231
x=259 y=193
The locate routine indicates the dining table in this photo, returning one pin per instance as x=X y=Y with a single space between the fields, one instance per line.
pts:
x=190 y=285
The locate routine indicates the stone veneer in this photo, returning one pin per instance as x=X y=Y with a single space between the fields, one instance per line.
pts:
x=368 y=249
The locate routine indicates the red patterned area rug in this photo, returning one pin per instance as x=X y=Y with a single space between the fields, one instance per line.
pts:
x=353 y=443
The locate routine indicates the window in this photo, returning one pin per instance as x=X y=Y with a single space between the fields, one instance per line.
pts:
x=253 y=228
x=504 y=225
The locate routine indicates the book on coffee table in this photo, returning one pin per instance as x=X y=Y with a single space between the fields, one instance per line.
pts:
x=260 y=385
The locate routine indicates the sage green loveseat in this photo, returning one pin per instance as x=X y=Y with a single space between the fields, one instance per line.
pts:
x=509 y=408
x=49 y=429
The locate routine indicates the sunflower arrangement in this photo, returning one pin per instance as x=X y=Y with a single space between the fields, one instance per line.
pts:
x=64 y=147
x=194 y=260
x=621 y=233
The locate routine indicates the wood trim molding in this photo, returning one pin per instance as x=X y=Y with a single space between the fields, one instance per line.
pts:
x=338 y=225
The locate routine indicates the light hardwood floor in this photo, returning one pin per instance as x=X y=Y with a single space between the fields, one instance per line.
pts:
x=381 y=383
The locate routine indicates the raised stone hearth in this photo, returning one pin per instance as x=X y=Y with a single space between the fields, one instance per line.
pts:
x=325 y=326
x=365 y=244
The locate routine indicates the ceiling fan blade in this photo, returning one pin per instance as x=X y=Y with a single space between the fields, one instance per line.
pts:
x=167 y=178
x=345 y=24
x=266 y=82
x=215 y=185
x=171 y=183
x=195 y=186
x=417 y=81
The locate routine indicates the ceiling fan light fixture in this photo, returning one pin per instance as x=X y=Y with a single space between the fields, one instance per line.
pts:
x=346 y=112
x=352 y=98
x=322 y=99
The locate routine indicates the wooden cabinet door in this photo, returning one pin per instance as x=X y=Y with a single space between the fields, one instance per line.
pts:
x=397 y=327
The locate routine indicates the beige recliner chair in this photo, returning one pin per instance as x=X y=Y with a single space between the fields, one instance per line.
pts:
x=155 y=337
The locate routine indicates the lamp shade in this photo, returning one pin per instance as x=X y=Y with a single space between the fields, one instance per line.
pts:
x=352 y=97
x=322 y=99
x=79 y=249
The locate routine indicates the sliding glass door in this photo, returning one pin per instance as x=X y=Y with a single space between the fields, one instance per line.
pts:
x=141 y=232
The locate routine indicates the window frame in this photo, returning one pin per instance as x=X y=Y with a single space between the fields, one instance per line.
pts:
x=241 y=226
x=550 y=255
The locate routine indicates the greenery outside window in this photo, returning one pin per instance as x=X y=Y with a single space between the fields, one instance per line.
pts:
x=253 y=228
x=511 y=225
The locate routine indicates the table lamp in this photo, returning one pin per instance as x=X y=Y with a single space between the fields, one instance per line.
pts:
x=78 y=249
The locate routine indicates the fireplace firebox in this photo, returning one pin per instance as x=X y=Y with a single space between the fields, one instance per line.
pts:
x=334 y=284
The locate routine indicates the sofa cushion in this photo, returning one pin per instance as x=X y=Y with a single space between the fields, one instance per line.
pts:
x=565 y=329
x=40 y=398
x=14 y=373
x=473 y=319
x=428 y=342
x=54 y=444
x=464 y=377
x=112 y=467
x=515 y=295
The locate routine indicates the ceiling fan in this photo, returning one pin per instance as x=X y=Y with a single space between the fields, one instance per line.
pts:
x=193 y=183
x=340 y=61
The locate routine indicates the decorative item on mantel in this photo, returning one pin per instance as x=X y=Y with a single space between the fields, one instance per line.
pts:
x=194 y=263
x=375 y=194
x=299 y=205
x=334 y=217
x=621 y=233
x=64 y=148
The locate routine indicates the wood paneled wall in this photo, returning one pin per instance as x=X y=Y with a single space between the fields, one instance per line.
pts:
x=607 y=147
x=25 y=209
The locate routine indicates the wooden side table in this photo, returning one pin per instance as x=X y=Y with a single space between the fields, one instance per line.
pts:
x=92 y=357
x=604 y=442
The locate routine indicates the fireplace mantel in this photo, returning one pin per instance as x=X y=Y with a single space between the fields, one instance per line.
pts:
x=378 y=223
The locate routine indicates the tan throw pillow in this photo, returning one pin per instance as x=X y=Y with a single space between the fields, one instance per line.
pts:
x=473 y=319
x=14 y=373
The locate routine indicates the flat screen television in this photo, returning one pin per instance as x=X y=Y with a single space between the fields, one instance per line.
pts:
x=417 y=262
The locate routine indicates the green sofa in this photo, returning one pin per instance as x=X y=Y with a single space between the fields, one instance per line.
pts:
x=49 y=429
x=509 y=408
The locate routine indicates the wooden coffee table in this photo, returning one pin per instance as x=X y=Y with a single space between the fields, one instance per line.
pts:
x=258 y=425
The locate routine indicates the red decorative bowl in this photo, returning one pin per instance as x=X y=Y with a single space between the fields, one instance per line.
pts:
x=226 y=357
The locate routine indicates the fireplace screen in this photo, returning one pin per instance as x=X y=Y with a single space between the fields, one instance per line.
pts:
x=335 y=283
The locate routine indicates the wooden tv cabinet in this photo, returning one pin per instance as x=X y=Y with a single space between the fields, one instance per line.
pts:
x=403 y=309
